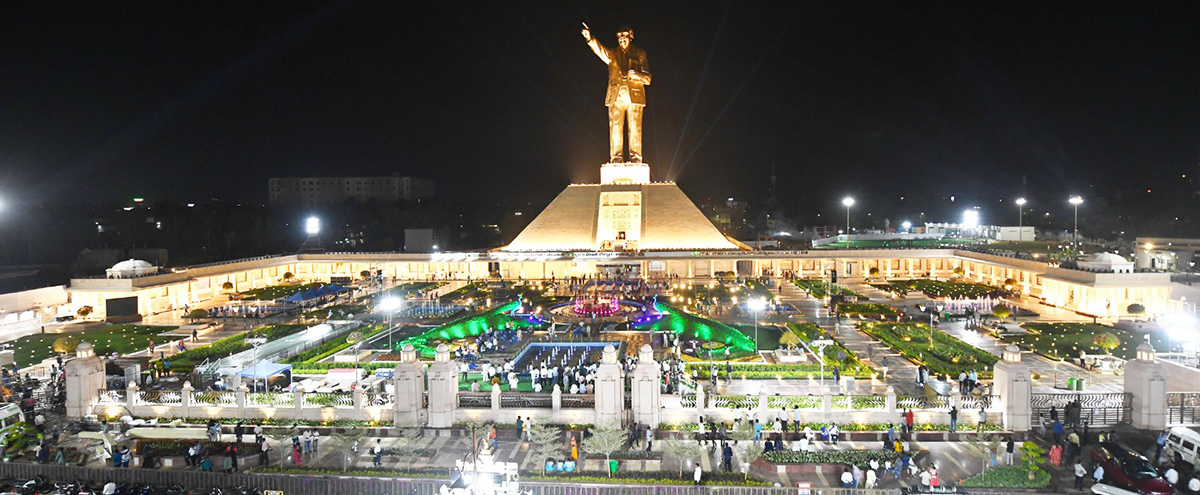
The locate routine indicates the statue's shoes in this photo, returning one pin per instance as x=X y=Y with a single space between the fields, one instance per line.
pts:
x=635 y=158
x=616 y=159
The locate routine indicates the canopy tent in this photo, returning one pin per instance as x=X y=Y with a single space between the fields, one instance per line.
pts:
x=321 y=291
x=266 y=369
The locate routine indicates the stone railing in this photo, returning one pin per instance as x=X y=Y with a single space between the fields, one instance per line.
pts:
x=243 y=404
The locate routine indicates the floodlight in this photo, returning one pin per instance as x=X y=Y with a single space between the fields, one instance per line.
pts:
x=906 y=225
x=970 y=219
x=1075 y=200
x=1021 y=201
x=312 y=226
x=757 y=305
x=847 y=201
x=389 y=304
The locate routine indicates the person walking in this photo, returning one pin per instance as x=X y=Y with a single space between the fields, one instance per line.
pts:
x=649 y=437
x=1098 y=474
x=1080 y=474
x=982 y=419
x=1158 y=444
x=263 y=458
x=377 y=451
x=953 y=419
x=727 y=457
x=697 y=474
x=1008 y=451
x=796 y=419
x=908 y=420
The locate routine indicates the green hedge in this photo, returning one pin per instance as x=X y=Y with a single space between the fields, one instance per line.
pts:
x=821 y=288
x=694 y=327
x=1008 y=477
x=866 y=309
x=948 y=355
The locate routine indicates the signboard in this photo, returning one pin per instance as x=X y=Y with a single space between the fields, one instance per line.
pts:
x=802 y=488
x=340 y=280
x=384 y=373
x=272 y=492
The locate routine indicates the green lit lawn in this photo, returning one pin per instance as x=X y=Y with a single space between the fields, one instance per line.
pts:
x=1065 y=340
x=689 y=326
x=32 y=349
x=939 y=289
x=821 y=288
x=467 y=326
x=947 y=356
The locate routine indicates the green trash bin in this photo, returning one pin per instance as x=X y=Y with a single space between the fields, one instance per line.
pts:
x=1079 y=384
x=1070 y=384
x=612 y=466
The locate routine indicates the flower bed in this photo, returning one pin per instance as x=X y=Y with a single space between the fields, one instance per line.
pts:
x=1008 y=477
x=856 y=457
x=1065 y=340
x=946 y=356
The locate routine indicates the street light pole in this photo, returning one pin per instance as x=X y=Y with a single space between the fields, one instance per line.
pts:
x=1075 y=200
x=1020 y=219
x=848 y=202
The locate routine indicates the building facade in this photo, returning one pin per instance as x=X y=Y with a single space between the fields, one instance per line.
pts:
x=310 y=191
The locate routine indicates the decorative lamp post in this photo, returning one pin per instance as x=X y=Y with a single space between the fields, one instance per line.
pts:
x=1020 y=219
x=1145 y=352
x=390 y=305
x=756 y=305
x=1075 y=201
x=847 y=202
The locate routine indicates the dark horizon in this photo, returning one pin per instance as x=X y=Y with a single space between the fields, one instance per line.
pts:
x=498 y=101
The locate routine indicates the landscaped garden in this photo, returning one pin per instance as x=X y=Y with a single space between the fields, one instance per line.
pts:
x=866 y=309
x=821 y=289
x=406 y=290
x=897 y=243
x=946 y=355
x=273 y=292
x=122 y=339
x=189 y=359
x=939 y=289
x=468 y=326
x=1065 y=340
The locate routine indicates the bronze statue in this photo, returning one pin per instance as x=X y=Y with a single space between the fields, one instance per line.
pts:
x=628 y=75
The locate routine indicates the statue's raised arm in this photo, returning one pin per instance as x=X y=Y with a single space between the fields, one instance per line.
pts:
x=599 y=49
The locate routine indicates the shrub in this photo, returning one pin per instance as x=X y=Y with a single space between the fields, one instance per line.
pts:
x=1008 y=477
x=946 y=355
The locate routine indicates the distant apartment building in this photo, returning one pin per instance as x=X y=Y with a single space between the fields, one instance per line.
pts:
x=329 y=190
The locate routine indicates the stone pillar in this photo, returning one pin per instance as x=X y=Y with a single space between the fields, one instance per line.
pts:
x=408 y=385
x=243 y=399
x=647 y=389
x=495 y=397
x=357 y=395
x=131 y=393
x=826 y=401
x=890 y=401
x=185 y=400
x=610 y=389
x=85 y=378
x=443 y=389
x=1146 y=379
x=1014 y=386
x=762 y=401
x=701 y=399
x=298 y=402
x=556 y=398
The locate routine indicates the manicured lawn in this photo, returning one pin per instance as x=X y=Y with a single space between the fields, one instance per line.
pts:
x=474 y=290
x=946 y=356
x=821 y=288
x=276 y=291
x=865 y=309
x=1006 y=477
x=467 y=326
x=188 y=359
x=123 y=339
x=1065 y=340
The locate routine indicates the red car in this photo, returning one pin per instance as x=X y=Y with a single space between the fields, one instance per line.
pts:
x=1125 y=468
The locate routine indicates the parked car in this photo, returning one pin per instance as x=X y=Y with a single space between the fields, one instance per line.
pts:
x=1183 y=445
x=1125 y=468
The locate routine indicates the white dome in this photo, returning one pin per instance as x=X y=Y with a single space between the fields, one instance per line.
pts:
x=1106 y=262
x=132 y=264
x=131 y=268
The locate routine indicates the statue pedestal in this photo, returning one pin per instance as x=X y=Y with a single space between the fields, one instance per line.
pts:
x=624 y=173
x=647 y=389
x=610 y=390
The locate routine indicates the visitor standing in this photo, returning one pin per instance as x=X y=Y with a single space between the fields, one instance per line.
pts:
x=697 y=474
x=1080 y=474
x=953 y=419
x=1008 y=451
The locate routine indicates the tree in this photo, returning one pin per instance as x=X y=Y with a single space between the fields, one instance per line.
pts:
x=789 y=339
x=958 y=271
x=65 y=345
x=874 y=271
x=1032 y=457
x=1136 y=309
x=682 y=450
x=406 y=446
x=1001 y=311
x=365 y=274
x=84 y=311
x=288 y=276
x=280 y=436
x=982 y=445
x=197 y=314
x=1009 y=283
x=605 y=440
x=1107 y=341
x=548 y=442
x=227 y=286
x=346 y=441
x=750 y=452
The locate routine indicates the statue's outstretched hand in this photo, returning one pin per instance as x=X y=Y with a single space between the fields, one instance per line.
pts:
x=587 y=33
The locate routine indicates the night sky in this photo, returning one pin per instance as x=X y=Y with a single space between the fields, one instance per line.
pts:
x=195 y=100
